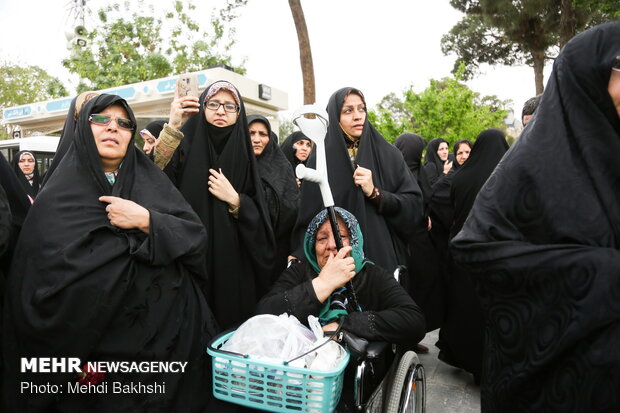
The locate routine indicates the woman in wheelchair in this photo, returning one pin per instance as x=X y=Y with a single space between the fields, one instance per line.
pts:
x=384 y=312
x=317 y=287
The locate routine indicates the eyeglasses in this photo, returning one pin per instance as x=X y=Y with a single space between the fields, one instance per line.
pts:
x=105 y=120
x=215 y=105
x=616 y=64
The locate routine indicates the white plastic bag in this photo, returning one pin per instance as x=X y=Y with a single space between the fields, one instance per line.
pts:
x=328 y=356
x=269 y=337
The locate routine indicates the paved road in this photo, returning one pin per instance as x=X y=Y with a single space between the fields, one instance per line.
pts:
x=448 y=389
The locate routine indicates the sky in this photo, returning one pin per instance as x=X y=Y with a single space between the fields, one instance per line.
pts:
x=378 y=47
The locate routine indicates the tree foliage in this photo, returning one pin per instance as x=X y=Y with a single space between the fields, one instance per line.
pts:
x=446 y=109
x=508 y=32
x=129 y=46
x=20 y=85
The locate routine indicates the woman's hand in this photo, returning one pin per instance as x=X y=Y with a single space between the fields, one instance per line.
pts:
x=447 y=166
x=222 y=189
x=333 y=326
x=181 y=109
x=126 y=214
x=362 y=177
x=337 y=271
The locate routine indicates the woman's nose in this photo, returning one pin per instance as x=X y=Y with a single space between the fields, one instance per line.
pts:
x=331 y=243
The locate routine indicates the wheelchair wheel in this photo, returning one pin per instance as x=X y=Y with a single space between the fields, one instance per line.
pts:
x=408 y=390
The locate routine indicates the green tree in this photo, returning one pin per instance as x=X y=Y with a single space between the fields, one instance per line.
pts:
x=509 y=32
x=446 y=109
x=20 y=85
x=128 y=46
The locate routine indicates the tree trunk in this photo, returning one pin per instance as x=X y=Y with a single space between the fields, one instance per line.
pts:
x=568 y=22
x=539 y=66
x=305 y=53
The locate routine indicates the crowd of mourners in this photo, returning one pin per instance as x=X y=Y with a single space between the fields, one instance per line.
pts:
x=122 y=253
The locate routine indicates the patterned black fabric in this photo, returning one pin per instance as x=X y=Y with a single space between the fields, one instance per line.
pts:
x=543 y=242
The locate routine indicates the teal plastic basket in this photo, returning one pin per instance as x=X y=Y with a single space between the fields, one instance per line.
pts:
x=271 y=386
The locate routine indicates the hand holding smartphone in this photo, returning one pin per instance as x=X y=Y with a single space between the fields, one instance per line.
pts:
x=187 y=85
x=185 y=103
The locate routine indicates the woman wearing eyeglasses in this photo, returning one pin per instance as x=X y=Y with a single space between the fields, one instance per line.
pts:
x=207 y=152
x=25 y=167
x=109 y=267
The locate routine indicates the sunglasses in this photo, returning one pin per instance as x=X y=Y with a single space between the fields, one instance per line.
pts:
x=615 y=65
x=105 y=120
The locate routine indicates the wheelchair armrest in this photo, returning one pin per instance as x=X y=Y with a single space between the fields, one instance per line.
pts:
x=376 y=348
x=354 y=343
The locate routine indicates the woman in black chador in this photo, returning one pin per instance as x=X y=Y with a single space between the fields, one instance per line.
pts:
x=25 y=166
x=369 y=178
x=215 y=169
x=543 y=244
x=462 y=330
x=423 y=262
x=281 y=191
x=109 y=267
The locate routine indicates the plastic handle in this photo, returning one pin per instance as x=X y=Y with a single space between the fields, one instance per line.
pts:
x=315 y=129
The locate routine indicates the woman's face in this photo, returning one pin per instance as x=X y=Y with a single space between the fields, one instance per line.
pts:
x=149 y=141
x=442 y=151
x=326 y=244
x=462 y=153
x=111 y=140
x=302 y=149
x=353 y=115
x=259 y=136
x=221 y=117
x=614 y=88
x=26 y=164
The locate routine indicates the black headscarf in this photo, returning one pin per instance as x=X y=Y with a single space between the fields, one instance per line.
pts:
x=412 y=146
x=289 y=150
x=543 y=242
x=388 y=226
x=281 y=192
x=239 y=251
x=68 y=131
x=155 y=127
x=488 y=150
x=31 y=189
x=80 y=287
x=17 y=196
x=433 y=165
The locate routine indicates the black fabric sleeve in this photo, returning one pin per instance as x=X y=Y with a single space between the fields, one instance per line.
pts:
x=392 y=314
x=404 y=209
x=5 y=222
x=257 y=238
x=431 y=173
x=292 y=293
x=172 y=238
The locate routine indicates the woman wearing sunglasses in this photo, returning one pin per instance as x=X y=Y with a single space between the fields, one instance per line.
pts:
x=207 y=152
x=108 y=267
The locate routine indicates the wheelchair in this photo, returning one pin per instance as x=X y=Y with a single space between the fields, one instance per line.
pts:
x=379 y=378
x=384 y=378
